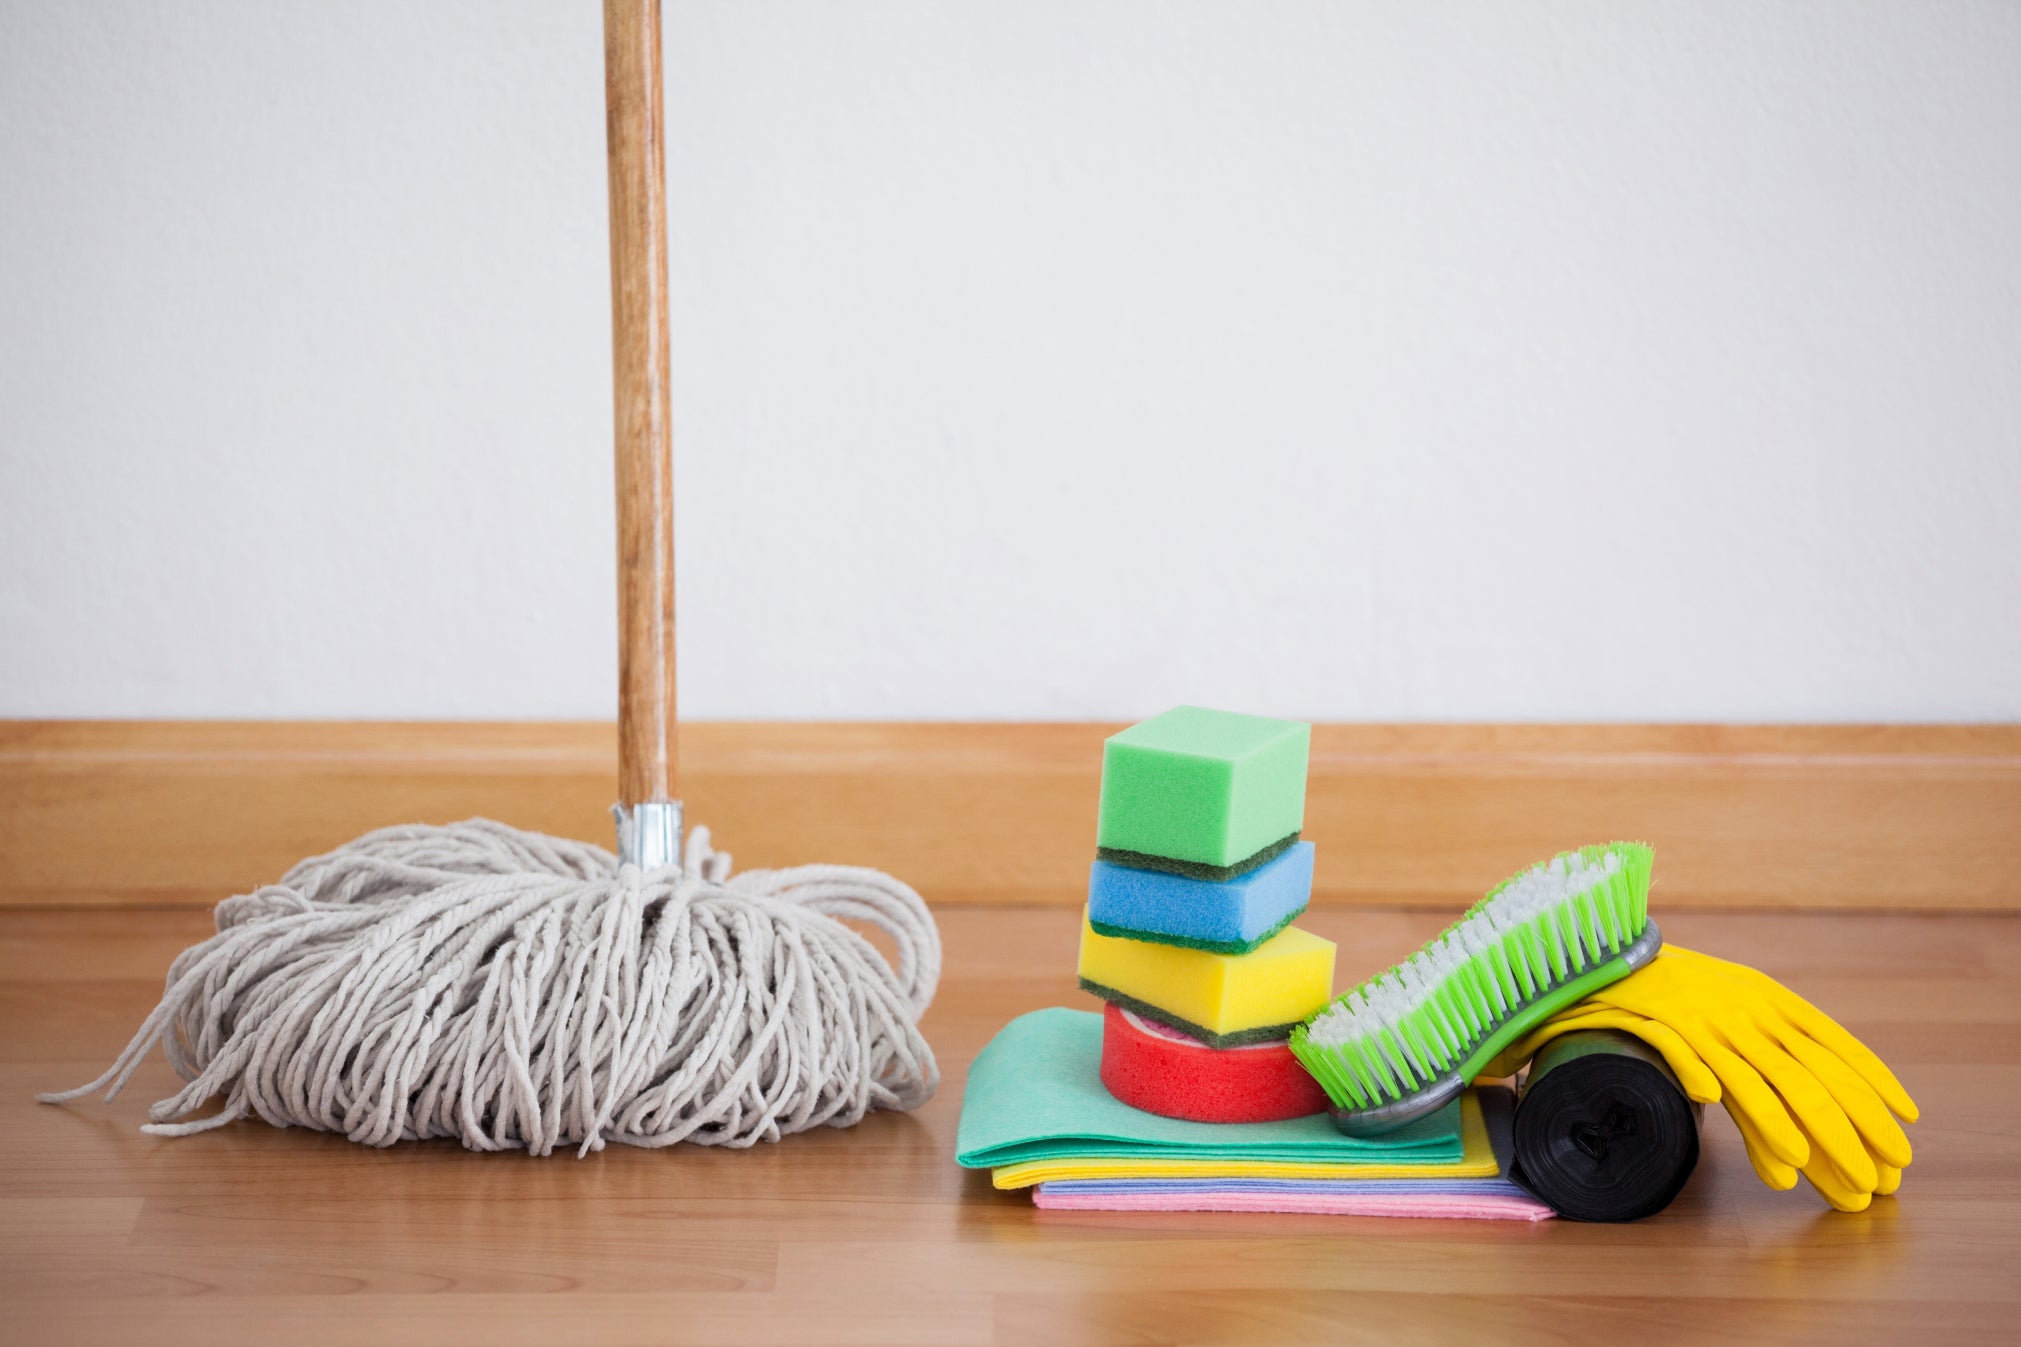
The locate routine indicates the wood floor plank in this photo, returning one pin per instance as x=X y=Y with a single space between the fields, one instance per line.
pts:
x=520 y=1319
x=873 y=1235
x=1460 y=1317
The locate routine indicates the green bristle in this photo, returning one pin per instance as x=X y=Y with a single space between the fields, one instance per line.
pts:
x=1485 y=980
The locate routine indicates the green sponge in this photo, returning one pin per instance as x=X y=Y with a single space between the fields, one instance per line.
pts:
x=1209 y=788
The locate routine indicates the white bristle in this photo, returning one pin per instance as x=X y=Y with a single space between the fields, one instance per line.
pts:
x=1388 y=1000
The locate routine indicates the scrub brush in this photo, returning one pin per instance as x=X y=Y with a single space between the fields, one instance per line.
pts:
x=1406 y=1043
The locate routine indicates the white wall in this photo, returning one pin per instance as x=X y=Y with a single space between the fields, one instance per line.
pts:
x=1044 y=358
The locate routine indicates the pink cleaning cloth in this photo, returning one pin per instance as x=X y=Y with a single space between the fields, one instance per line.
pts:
x=1485 y=1207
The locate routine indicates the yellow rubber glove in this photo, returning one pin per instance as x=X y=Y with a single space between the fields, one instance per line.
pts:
x=1806 y=1095
x=1835 y=1187
x=1701 y=1085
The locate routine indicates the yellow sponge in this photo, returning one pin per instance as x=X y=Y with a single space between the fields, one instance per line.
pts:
x=1221 y=999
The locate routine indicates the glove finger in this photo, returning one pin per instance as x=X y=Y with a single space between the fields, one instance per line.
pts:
x=1647 y=990
x=1510 y=1060
x=1891 y=1179
x=1705 y=969
x=1820 y=1116
x=1700 y=1084
x=1827 y=1031
x=1830 y=1185
x=1748 y=1095
x=1855 y=1054
x=1884 y=1137
x=1845 y=1180
x=1833 y=1184
x=1697 y=1079
x=1775 y=1173
x=1820 y=1026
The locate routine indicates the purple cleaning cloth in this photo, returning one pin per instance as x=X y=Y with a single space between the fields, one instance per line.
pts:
x=1372 y=1187
x=1320 y=1197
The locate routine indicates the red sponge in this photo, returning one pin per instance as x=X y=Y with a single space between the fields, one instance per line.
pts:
x=1156 y=1068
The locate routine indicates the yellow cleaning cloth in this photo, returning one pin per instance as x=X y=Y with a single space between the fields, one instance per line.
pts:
x=1477 y=1161
x=1224 y=999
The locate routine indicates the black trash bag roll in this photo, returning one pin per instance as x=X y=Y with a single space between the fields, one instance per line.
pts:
x=1603 y=1130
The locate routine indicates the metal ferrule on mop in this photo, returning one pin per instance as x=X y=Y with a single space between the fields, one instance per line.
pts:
x=649 y=834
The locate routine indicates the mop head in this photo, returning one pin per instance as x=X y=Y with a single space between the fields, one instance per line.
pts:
x=518 y=991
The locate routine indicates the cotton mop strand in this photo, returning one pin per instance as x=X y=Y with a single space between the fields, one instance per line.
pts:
x=513 y=990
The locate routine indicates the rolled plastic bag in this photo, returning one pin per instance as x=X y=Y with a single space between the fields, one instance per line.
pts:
x=1603 y=1130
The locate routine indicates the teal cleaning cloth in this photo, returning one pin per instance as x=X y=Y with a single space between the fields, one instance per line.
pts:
x=1036 y=1093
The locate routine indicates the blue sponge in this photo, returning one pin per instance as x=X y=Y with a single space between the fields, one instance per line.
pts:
x=1232 y=916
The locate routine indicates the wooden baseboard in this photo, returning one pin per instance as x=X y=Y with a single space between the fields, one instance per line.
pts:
x=1820 y=817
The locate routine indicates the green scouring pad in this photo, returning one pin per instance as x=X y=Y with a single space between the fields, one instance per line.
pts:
x=1214 y=874
x=1210 y=794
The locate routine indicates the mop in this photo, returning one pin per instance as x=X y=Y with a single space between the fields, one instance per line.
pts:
x=517 y=991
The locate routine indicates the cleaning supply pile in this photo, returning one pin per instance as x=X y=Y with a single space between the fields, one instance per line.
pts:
x=1223 y=1075
x=1184 y=1093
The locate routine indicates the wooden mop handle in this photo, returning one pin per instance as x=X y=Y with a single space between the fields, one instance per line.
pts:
x=635 y=129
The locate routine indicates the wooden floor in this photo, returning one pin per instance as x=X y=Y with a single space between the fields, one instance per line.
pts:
x=874 y=1236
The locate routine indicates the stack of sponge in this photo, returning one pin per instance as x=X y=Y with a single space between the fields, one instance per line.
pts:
x=1199 y=873
x=1188 y=938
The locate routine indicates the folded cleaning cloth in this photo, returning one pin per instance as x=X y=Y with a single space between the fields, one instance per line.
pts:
x=1035 y=1110
x=1350 y=1201
x=1481 y=1199
x=1101 y=1161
